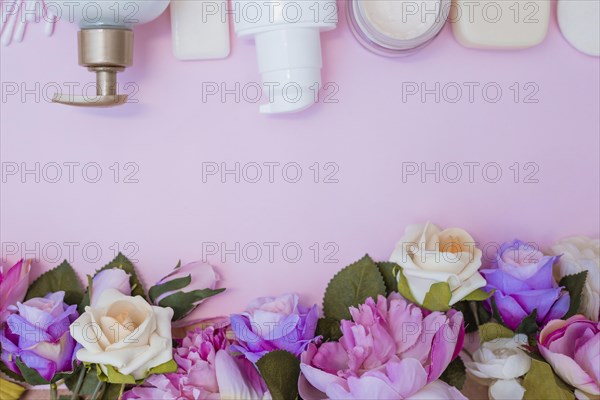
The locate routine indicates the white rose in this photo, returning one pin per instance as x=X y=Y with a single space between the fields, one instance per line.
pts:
x=124 y=332
x=498 y=364
x=579 y=254
x=429 y=255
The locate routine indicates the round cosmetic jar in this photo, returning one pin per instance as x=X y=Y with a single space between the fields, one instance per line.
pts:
x=395 y=28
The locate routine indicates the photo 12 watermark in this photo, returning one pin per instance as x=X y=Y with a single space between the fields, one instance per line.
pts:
x=73 y=252
x=254 y=172
x=56 y=172
x=470 y=92
x=271 y=252
x=470 y=172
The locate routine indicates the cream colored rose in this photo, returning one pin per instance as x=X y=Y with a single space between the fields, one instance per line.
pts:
x=429 y=255
x=124 y=332
x=579 y=254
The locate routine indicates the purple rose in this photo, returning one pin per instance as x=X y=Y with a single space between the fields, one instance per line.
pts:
x=274 y=323
x=38 y=334
x=522 y=278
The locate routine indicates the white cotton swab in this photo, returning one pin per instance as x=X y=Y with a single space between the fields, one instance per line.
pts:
x=20 y=28
x=10 y=26
x=5 y=15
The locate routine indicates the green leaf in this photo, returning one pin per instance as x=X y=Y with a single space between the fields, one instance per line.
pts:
x=329 y=328
x=529 y=324
x=183 y=303
x=114 y=376
x=31 y=375
x=352 y=286
x=438 y=297
x=176 y=284
x=111 y=392
x=86 y=297
x=541 y=383
x=491 y=331
x=62 y=278
x=165 y=368
x=14 y=376
x=479 y=295
x=456 y=374
x=388 y=271
x=404 y=289
x=574 y=284
x=280 y=370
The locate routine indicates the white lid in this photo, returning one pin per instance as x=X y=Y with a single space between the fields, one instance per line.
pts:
x=579 y=21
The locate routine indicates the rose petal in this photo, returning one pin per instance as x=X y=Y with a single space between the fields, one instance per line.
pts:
x=510 y=310
x=506 y=389
x=232 y=382
x=438 y=390
x=113 y=278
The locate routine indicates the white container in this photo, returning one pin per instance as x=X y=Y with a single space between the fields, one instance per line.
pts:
x=395 y=28
x=500 y=24
x=105 y=43
x=200 y=29
x=288 y=47
x=579 y=22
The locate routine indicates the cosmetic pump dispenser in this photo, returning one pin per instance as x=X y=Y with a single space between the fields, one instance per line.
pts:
x=288 y=47
x=105 y=43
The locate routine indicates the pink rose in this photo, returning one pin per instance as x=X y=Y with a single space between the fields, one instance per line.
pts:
x=572 y=347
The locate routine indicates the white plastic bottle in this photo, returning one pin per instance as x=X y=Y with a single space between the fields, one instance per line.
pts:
x=288 y=47
x=500 y=24
x=105 y=42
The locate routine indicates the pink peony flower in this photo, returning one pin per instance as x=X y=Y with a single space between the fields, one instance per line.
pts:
x=206 y=371
x=572 y=347
x=392 y=349
x=14 y=283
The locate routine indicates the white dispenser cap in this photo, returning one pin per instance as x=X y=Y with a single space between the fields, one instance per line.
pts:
x=289 y=61
x=288 y=47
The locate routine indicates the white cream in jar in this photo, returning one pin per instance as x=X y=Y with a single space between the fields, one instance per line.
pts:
x=395 y=27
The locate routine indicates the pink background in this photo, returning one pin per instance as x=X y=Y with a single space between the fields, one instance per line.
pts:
x=368 y=134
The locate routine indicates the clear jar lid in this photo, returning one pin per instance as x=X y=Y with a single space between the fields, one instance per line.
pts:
x=396 y=27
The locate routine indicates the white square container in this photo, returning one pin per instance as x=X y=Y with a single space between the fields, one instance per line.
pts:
x=500 y=24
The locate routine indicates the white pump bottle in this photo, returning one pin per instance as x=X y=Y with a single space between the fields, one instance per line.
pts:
x=288 y=47
x=105 y=42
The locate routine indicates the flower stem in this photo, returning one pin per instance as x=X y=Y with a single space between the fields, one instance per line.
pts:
x=53 y=391
x=121 y=392
x=98 y=391
x=79 y=384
